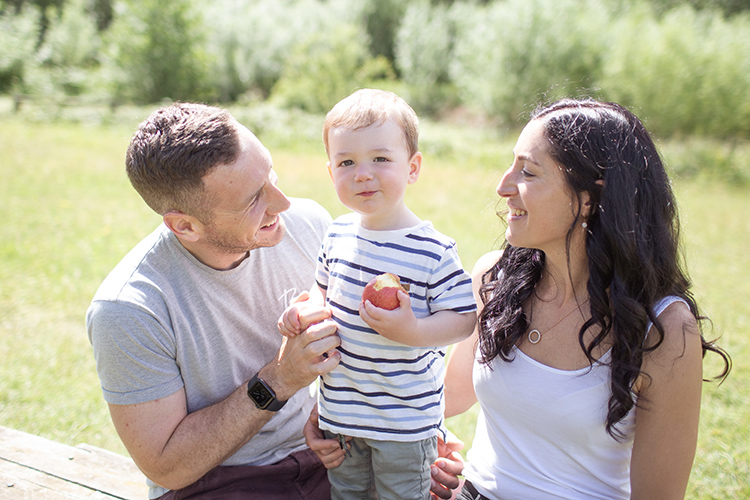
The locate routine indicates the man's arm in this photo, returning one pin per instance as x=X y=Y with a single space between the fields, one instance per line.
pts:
x=175 y=449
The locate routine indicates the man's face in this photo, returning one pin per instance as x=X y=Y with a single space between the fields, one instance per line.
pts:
x=245 y=202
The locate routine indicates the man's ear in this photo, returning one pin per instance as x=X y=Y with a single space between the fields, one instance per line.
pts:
x=415 y=167
x=184 y=226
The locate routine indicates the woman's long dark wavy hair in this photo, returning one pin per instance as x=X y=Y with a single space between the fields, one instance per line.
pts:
x=632 y=245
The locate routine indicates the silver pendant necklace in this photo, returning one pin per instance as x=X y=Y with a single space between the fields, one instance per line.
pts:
x=535 y=335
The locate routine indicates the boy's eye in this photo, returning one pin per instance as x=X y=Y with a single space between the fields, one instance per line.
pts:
x=346 y=163
x=381 y=158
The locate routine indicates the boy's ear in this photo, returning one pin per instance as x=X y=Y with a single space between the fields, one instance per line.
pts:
x=328 y=166
x=184 y=226
x=415 y=165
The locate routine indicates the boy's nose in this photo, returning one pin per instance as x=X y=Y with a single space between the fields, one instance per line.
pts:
x=363 y=173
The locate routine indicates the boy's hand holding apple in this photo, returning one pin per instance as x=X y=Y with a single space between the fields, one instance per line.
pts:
x=386 y=308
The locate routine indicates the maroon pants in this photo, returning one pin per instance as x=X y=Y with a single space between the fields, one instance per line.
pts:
x=300 y=476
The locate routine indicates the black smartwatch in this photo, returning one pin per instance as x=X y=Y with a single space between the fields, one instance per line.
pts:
x=262 y=395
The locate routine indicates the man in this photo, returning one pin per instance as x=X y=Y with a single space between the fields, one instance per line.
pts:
x=184 y=329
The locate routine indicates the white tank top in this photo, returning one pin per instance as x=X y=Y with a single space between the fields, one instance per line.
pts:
x=541 y=431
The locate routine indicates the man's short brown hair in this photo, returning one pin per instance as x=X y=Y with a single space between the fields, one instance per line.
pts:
x=171 y=152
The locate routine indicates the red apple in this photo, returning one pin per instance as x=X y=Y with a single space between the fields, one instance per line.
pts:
x=382 y=291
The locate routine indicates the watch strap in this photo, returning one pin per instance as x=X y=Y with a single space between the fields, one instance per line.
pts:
x=262 y=395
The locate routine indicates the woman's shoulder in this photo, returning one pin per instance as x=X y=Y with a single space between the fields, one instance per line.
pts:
x=674 y=315
x=485 y=263
x=682 y=334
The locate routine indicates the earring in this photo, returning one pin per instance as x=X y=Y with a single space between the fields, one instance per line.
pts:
x=584 y=225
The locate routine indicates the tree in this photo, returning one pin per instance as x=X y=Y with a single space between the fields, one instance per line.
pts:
x=155 y=51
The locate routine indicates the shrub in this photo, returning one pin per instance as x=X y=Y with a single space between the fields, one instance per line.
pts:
x=69 y=53
x=327 y=67
x=155 y=52
x=424 y=49
x=18 y=38
x=510 y=55
x=687 y=72
x=250 y=42
x=382 y=19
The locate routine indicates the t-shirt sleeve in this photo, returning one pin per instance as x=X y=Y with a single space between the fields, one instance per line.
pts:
x=135 y=354
x=450 y=285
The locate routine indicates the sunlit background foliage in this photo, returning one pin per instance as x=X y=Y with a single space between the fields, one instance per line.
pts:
x=682 y=65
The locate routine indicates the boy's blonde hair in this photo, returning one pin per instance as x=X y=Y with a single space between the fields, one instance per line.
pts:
x=366 y=107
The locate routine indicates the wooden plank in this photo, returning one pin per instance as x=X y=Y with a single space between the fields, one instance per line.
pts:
x=87 y=469
x=20 y=482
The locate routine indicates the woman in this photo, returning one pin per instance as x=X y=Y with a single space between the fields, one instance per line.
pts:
x=587 y=359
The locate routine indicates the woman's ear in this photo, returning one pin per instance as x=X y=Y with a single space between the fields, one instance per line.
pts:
x=587 y=208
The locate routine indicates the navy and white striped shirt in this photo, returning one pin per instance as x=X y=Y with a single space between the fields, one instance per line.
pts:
x=382 y=389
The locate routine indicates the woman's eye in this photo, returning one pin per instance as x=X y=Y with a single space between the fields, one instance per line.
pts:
x=526 y=173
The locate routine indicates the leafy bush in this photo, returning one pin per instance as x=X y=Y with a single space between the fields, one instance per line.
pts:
x=510 y=55
x=423 y=54
x=250 y=41
x=155 y=52
x=18 y=37
x=382 y=19
x=69 y=54
x=688 y=72
x=327 y=67
x=719 y=161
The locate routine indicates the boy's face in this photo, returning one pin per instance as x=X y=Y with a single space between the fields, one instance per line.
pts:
x=371 y=168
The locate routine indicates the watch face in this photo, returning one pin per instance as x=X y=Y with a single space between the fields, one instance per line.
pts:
x=259 y=393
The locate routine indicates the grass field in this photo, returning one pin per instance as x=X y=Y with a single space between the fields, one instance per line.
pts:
x=68 y=214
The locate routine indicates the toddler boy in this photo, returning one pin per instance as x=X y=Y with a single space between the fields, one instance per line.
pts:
x=387 y=392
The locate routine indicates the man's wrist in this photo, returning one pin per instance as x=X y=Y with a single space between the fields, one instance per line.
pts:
x=263 y=395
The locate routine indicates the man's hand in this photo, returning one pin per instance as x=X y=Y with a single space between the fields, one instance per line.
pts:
x=447 y=467
x=329 y=451
x=304 y=357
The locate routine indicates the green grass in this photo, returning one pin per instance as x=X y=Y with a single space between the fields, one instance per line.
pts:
x=68 y=214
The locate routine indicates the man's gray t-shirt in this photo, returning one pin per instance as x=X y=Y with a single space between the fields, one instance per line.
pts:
x=162 y=320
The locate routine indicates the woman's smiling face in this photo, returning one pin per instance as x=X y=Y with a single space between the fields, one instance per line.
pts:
x=541 y=206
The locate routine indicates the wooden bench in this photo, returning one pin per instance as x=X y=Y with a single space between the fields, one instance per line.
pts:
x=32 y=467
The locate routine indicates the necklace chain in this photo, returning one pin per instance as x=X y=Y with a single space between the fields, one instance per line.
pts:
x=535 y=335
